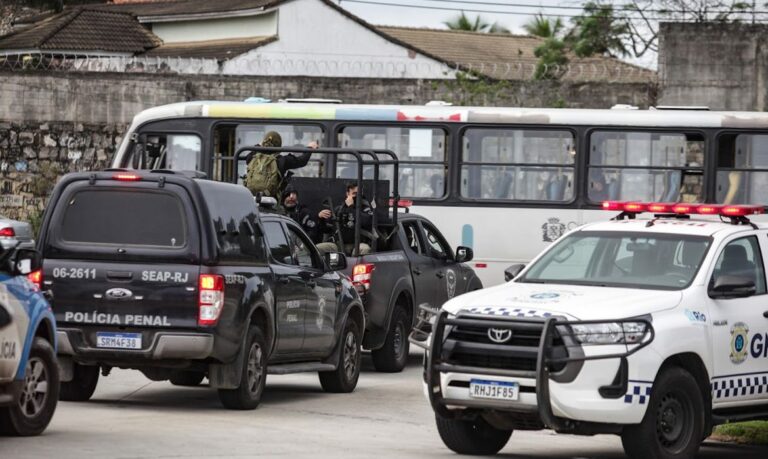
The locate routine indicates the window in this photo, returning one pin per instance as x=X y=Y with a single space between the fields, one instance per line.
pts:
x=412 y=236
x=125 y=218
x=618 y=259
x=741 y=258
x=742 y=168
x=278 y=244
x=228 y=139
x=421 y=152
x=301 y=248
x=171 y=151
x=436 y=245
x=517 y=165
x=646 y=166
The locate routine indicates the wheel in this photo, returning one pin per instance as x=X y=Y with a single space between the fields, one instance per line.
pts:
x=392 y=357
x=83 y=384
x=253 y=377
x=673 y=425
x=344 y=378
x=37 y=402
x=475 y=437
x=187 y=378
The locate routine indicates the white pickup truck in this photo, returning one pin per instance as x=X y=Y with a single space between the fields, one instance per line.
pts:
x=655 y=329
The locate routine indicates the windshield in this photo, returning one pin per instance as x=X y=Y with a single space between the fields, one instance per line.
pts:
x=618 y=259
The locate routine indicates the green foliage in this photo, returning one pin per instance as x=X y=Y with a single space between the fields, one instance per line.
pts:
x=752 y=432
x=552 y=59
x=35 y=219
x=463 y=22
x=544 y=27
x=599 y=31
x=470 y=88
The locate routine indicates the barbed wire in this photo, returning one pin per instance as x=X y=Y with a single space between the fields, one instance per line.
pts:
x=599 y=70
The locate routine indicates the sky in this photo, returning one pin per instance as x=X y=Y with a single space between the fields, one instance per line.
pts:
x=434 y=18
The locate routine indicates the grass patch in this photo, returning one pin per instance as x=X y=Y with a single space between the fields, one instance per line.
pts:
x=752 y=432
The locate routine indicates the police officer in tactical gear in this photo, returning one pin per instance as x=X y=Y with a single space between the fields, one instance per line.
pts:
x=345 y=214
x=300 y=214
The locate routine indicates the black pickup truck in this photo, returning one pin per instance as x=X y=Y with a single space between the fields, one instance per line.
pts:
x=184 y=278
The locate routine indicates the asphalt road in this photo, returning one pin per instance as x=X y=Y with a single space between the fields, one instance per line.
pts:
x=387 y=416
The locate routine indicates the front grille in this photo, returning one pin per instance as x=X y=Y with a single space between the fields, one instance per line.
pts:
x=520 y=353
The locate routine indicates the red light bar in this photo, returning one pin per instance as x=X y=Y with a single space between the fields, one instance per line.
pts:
x=660 y=207
x=401 y=203
x=635 y=207
x=684 y=209
x=126 y=177
x=708 y=209
x=613 y=205
x=741 y=211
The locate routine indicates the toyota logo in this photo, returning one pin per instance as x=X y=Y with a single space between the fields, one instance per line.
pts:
x=499 y=335
x=119 y=293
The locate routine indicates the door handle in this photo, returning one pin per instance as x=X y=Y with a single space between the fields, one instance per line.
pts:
x=416 y=271
x=440 y=274
x=285 y=280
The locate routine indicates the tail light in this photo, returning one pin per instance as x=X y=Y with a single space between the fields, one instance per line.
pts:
x=211 y=300
x=406 y=203
x=361 y=276
x=7 y=232
x=126 y=177
x=36 y=277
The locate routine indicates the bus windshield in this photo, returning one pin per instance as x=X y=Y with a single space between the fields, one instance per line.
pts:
x=619 y=259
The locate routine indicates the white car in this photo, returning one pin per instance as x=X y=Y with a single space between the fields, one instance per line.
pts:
x=15 y=234
x=655 y=329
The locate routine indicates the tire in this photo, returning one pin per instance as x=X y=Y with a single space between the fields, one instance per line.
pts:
x=344 y=378
x=37 y=402
x=83 y=384
x=392 y=357
x=476 y=437
x=253 y=377
x=673 y=425
x=187 y=378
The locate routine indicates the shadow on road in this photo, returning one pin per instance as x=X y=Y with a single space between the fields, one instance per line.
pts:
x=709 y=449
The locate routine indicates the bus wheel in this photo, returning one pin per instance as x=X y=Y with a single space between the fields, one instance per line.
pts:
x=475 y=437
x=673 y=424
x=392 y=357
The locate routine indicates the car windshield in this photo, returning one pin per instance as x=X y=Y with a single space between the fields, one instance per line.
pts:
x=619 y=259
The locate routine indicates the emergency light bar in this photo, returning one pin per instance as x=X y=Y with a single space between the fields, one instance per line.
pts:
x=683 y=208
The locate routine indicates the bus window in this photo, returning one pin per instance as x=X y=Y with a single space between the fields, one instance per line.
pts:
x=517 y=165
x=167 y=151
x=646 y=166
x=230 y=138
x=742 y=168
x=421 y=152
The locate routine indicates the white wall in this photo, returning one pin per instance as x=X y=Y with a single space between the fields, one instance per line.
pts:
x=316 y=40
x=217 y=29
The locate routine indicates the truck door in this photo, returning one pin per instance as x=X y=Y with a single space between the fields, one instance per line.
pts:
x=446 y=273
x=739 y=325
x=290 y=290
x=422 y=267
x=320 y=307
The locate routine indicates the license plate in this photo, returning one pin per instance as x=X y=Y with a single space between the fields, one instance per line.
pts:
x=494 y=390
x=118 y=340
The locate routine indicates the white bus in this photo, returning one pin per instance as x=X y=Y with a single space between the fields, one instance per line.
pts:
x=504 y=181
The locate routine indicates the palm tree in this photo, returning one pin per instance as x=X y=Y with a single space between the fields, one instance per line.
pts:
x=540 y=26
x=463 y=22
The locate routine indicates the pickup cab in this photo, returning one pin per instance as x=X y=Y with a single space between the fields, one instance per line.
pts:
x=184 y=278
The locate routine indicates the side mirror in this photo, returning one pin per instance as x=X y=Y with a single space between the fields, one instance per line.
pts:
x=335 y=260
x=464 y=254
x=26 y=261
x=732 y=287
x=5 y=317
x=512 y=272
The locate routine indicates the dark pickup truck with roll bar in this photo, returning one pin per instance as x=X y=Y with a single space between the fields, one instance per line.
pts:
x=410 y=266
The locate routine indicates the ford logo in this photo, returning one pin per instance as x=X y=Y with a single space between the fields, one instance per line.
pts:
x=499 y=335
x=119 y=293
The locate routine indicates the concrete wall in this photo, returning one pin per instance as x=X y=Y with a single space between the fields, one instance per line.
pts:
x=722 y=66
x=52 y=123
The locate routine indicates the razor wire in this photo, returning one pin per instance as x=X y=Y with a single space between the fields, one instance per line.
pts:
x=320 y=66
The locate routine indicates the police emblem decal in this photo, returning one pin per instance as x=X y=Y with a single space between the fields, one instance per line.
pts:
x=545 y=296
x=739 y=339
x=552 y=230
x=450 y=282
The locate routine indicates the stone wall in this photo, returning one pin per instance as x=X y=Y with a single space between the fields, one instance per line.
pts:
x=719 y=65
x=57 y=122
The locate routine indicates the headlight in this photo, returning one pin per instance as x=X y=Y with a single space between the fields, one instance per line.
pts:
x=610 y=332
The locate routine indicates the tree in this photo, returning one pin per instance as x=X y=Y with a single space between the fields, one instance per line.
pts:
x=541 y=26
x=599 y=30
x=463 y=22
x=552 y=59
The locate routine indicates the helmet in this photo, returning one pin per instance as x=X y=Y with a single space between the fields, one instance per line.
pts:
x=272 y=139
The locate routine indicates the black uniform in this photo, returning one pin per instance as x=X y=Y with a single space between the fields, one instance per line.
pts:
x=346 y=216
x=301 y=215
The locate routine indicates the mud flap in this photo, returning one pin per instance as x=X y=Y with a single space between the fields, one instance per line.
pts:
x=66 y=368
x=227 y=375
